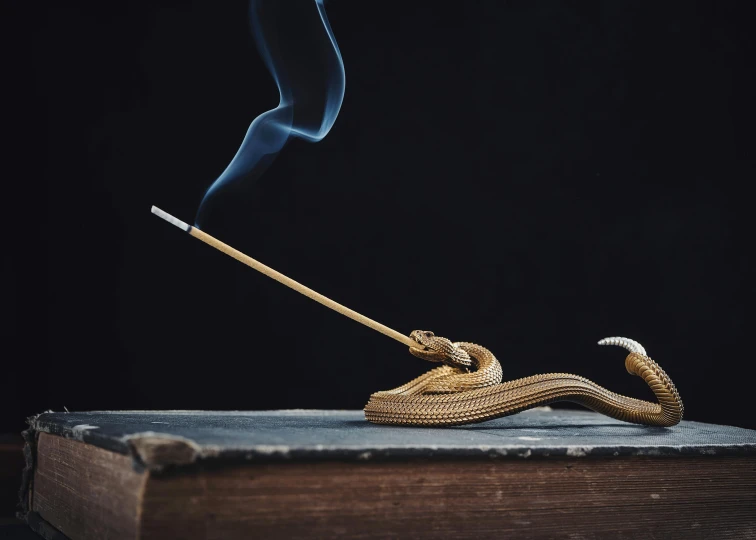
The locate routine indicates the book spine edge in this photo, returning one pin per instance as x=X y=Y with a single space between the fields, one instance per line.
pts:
x=25 y=506
x=26 y=490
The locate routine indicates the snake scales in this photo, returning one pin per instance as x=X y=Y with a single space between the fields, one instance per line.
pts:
x=468 y=389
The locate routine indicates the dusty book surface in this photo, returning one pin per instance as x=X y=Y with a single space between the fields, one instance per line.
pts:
x=160 y=438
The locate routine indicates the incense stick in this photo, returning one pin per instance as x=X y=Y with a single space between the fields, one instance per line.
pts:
x=278 y=276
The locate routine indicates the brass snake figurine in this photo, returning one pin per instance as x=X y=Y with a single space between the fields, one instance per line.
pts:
x=468 y=389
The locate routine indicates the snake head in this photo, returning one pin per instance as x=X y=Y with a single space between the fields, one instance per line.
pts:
x=439 y=349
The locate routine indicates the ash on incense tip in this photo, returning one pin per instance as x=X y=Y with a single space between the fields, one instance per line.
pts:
x=170 y=219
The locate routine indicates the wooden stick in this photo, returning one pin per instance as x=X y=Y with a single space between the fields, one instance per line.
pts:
x=278 y=276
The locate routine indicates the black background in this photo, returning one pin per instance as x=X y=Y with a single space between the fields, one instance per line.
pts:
x=531 y=176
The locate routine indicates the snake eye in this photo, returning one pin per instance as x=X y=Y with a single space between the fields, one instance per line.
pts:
x=429 y=334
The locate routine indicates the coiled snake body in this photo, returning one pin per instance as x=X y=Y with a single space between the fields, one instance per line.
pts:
x=468 y=389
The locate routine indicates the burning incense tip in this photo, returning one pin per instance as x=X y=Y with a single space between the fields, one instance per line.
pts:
x=170 y=219
x=278 y=276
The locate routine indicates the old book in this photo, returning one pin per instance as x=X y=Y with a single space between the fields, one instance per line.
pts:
x=290 y=474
